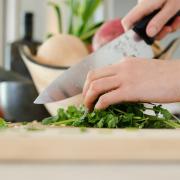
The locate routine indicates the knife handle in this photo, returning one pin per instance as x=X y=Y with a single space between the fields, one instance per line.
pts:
x=140 y=27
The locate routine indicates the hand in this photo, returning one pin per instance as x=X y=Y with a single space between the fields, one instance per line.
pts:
x=133 y=80
x=156 y=27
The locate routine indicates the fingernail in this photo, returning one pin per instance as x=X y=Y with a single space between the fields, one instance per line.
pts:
x=125 y=26
x=97 y=106
x=152 y=31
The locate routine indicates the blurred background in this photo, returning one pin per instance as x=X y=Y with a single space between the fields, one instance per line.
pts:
x=26 y=72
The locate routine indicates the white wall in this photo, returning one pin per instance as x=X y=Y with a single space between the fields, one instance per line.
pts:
x=44 y=16
x=121 y=7
x=118 y=8
x=38 y=7
x=12 y=20
x=1 y=32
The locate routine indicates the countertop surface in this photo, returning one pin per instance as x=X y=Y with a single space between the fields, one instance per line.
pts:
x=68 y=144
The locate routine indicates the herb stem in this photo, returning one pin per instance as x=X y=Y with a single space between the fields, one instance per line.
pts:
x=64 y=122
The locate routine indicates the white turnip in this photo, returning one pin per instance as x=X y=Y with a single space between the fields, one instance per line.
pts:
x=61 y=50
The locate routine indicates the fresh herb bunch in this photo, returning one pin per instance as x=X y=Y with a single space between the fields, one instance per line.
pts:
x=3 y=123
x=127 y=115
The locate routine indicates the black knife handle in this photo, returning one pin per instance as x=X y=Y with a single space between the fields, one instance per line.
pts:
x=140 y=27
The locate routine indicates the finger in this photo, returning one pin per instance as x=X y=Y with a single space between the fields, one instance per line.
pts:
x=140 y=1
x=108 y=99
x=159 y=21
x=99 y=87
x=166 y=30
x=96 y=74
x=139 y=11
x=176 y=24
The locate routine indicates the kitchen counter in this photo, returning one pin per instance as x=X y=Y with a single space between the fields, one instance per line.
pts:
x=61 y=144
x=71 y=153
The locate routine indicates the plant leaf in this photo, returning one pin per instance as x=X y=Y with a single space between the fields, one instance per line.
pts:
x=3 y=123
x=58 y=13
x=87 y=11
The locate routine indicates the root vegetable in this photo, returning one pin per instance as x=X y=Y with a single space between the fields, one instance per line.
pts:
x=61 y=50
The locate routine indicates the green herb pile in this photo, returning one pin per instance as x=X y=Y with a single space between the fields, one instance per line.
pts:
x=127 y=115
x=3 y=124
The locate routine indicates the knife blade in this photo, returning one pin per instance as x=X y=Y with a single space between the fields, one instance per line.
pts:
x=71 y=82
x=133 y=43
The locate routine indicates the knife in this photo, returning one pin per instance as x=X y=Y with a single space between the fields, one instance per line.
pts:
x=134 y=42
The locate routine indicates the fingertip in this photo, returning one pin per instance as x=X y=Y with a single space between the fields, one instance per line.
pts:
x=89 y=99
x=126 y=24
x=176 y=24
x=86 y=105
x=159 y=21
x=166 y=30
x=98 y=106
x=102 y=102
x=152 y=31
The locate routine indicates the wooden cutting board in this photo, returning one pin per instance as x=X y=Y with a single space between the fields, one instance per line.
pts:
x=61 y=144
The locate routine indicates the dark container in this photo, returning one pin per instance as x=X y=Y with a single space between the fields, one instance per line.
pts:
x=16 y=102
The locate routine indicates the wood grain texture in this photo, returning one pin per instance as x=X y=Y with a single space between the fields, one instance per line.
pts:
x=64 y=144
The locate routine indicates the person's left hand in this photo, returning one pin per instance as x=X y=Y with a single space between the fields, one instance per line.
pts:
x=133 y=80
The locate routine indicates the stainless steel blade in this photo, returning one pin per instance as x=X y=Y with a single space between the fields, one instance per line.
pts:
x=71 y=82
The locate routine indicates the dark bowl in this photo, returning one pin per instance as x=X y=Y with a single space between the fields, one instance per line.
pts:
x=16 y=102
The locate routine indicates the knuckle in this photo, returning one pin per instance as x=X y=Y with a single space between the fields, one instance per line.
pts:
x=94 y=86
x=91 y=75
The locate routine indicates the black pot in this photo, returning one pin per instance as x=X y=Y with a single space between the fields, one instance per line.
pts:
x=16 y=102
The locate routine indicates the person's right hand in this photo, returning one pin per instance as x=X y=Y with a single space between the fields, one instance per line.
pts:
x=156 y=27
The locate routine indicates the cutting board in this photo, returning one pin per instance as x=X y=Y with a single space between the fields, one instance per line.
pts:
x=68 y=144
